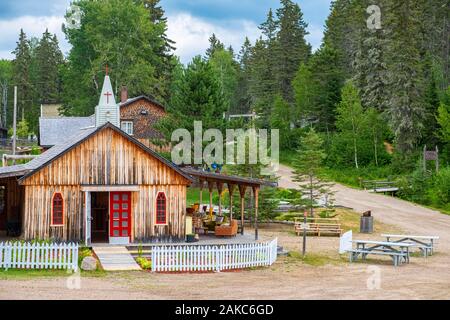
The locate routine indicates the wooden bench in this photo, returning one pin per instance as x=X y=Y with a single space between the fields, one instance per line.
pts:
x=318 y=226
x=379 y=186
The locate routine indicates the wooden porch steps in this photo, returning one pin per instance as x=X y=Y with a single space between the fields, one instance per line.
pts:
x=115 y=258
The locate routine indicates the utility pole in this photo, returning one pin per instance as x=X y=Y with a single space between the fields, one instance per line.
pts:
x=14 y=122
x=4 y=102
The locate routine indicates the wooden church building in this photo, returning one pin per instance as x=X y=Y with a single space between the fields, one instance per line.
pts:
x=100 y=185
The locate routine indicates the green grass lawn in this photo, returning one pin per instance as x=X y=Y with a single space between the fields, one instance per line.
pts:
x=193 y=196
x=13 y=274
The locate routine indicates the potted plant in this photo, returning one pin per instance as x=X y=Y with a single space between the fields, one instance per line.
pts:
x=191 y=238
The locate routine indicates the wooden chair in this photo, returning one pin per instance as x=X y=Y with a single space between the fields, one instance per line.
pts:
x=227 y=230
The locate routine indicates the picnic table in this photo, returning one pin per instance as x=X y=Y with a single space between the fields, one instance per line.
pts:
x=424 y=243
x=398 y=251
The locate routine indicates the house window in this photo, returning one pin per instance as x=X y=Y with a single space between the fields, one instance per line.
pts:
x=161 y=208
x=127 y=127
x=57 y=210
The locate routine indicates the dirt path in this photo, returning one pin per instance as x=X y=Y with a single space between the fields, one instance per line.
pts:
x=405 y=215
x=288 y=278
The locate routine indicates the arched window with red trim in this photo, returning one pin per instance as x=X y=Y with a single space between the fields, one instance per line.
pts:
x=161 y=208
x=57 y=210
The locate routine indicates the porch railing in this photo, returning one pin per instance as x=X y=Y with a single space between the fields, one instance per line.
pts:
x=20 y=255
x=201 y=258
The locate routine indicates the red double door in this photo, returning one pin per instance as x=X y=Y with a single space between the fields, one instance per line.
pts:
x=120 y=214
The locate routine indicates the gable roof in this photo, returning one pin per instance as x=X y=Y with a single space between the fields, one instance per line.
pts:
x=58 y=151
x=53 y=131
x=149 y=99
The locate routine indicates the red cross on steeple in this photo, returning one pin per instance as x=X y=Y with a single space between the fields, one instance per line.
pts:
x=107 y=94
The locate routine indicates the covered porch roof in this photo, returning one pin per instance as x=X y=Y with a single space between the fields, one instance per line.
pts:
x=218 y=180
x=201 y=176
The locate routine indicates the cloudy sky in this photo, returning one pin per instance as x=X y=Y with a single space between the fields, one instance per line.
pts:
x=191 y=22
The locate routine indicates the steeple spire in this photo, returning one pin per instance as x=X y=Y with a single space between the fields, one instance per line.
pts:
x=107 y=110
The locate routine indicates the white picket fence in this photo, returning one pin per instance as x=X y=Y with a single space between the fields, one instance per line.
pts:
x=19 y=255
x=186 y=258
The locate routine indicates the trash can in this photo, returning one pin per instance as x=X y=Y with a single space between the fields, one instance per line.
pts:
x=366 y=224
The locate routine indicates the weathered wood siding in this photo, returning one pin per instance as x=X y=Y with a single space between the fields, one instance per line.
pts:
x=106 y=158
x=145 y=212
x=38 y=208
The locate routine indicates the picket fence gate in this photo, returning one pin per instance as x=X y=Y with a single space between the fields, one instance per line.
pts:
x=19 y=255
x=177 y=258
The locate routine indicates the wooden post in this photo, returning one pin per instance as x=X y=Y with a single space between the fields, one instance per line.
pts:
x=256 y=193
x=437 y=159
x=200 y=196
x=210 y=188
x=242 y=190
x=424 y=159
x=231 y=191
x=14 y=123
x=220 y=190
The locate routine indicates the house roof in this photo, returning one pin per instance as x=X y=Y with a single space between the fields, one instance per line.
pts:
x=53 y=131
x=149 y=99
x=47 y=156
x=59 y=150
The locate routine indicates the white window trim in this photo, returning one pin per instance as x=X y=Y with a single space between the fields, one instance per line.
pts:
x=127 y=123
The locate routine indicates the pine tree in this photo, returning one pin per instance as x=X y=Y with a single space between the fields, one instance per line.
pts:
x=242 y=97
x=269 y=28
x=224 y=65
x=327 y=83
x=291 y=48
x=48 y=59
x=198 y=96
x=342 y=32
x=22 y=76
x=405 y=74
x=370 y=68
x=307 y=165
x=262 y=85
x=214 y=45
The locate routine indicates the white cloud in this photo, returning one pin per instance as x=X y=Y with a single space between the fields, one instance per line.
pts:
x=315 y=36
x=33 y=27
x=191 y=34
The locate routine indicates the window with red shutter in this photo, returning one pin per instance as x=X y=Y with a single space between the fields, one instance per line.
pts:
x=161 y=205
x=57 y=210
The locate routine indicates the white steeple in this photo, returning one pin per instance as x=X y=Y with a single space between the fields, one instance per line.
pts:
x=107 y=110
